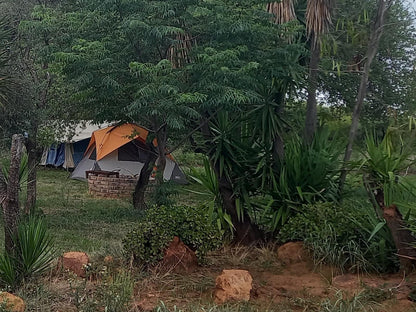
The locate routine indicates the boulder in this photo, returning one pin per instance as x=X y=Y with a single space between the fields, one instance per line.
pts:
x=179 y=258
x=292 y=252
x=233 y=285
x=12 y=302
x=75 y=262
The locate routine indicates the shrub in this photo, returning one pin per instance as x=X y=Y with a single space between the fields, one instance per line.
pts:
x=163 y=194
x=349 y=237
x=146 y=242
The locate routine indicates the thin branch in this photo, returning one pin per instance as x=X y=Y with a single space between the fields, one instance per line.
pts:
x=192 y=132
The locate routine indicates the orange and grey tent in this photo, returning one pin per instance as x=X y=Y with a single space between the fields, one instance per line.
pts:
x=122 y=149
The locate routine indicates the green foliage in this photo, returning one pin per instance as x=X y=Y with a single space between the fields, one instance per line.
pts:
x=306 y=175
x=33 y=254
x=343 y=303
x=209 y=180
x=35 y=247
x=113 y=293
x=9 y=275
x=146 y=242
x=342 y=61
x=6 y=82
x=23 y=169
x=347 y=236
x=383 y=164
x=162 y=194
x=116 y=292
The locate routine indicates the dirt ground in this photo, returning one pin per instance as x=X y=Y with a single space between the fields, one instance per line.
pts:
x=278 y=285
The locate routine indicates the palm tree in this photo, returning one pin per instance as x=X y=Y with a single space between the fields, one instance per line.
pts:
x=318 y=19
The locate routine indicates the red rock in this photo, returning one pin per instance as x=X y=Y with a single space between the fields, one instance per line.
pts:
x=233 y=285
x=75 y=262
x=179 y=258
x=13 y=303
x=292 y=252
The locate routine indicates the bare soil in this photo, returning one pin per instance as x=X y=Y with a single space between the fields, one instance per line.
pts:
x=279 y=287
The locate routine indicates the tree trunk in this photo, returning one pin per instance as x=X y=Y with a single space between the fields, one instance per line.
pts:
x=141 y=185
x=161 y=137
x=11 y=210
x=403 y=239
x=376 y=32
x=311 y=120
x=3 y=188
x=278 y=143
x=246 y=233
x=32 y=162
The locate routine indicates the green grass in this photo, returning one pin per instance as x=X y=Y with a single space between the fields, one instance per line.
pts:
x=81 y=222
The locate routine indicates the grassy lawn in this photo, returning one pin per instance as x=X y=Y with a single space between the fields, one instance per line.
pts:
x=80 y=222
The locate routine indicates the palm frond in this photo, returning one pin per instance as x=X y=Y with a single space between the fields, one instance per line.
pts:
x=282 y=11
x=179 y=51
x=318 y=17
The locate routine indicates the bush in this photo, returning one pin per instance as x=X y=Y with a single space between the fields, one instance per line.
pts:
x=159 y=225
x=349 y=237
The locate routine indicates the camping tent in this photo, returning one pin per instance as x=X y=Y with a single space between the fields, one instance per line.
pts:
x=70 y=152
x=122 y=149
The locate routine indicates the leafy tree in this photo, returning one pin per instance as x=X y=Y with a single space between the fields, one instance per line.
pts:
x=33 y=35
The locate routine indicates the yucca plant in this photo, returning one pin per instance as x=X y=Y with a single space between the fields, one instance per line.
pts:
x=23 y=170
x=32 y=256
x=35 y=251
x=209 y=181
x=382 y=167
x=307 y=174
